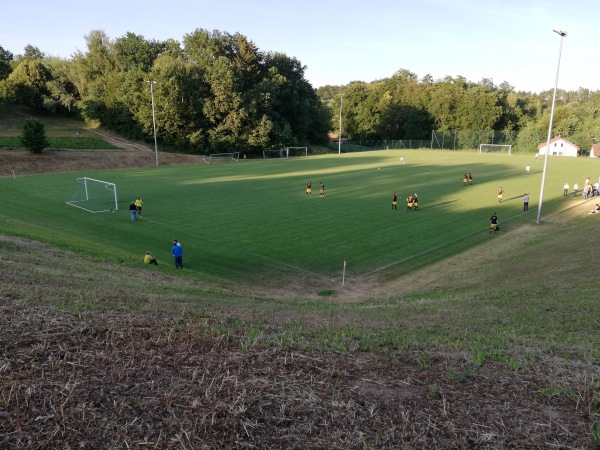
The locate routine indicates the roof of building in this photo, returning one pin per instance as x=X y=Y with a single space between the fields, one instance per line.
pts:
x=557 y=138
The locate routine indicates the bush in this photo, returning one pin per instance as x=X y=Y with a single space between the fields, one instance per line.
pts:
x=34 y=136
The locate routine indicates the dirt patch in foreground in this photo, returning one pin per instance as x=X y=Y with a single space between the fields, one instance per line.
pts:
x=131 y=380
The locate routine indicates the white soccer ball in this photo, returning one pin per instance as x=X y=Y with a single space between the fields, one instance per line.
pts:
x=379 y=168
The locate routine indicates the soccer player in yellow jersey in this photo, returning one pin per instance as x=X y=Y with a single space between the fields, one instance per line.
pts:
x=309 y=188
x=395 y=201
x=416 y=202
x=322 y=189
x=409 y=203
x=138 y=205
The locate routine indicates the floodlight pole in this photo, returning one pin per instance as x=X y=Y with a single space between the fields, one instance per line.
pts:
x=340 y=136
x=562 y=34
x=151 y=83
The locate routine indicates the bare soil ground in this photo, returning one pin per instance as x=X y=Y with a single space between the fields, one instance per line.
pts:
x=129 y=154
x=120 y=379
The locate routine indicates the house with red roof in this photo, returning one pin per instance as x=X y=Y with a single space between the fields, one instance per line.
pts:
x=559 y=146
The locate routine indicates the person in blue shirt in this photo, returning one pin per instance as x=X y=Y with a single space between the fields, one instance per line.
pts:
x=178 y=255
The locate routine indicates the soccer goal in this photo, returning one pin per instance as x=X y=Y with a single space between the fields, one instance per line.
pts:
x=296 y=151
x=223 y=157
x=94 y=195
x=497 y=149
x=275 y=154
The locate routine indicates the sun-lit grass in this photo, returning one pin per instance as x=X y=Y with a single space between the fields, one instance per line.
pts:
x=251 y=221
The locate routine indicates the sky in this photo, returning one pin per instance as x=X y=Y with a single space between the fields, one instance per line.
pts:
x=343 y=41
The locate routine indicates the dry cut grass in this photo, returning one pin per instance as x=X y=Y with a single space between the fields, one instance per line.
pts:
x=113 y=357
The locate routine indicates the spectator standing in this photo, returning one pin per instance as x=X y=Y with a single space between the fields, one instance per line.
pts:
x=526 y=202
x=575 y=189
x=177 y=255
x=566 y=189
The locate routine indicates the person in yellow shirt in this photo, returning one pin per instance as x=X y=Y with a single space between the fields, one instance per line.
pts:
x=149 y=259
x=138 y=205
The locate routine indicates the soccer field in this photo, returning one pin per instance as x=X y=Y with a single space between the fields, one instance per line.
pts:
x=251 y=221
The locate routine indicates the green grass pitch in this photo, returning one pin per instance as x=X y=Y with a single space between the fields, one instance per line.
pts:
x=251 y=221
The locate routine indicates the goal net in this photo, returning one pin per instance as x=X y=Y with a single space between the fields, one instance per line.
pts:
x=296 y=151
x=275 y=154
x=94 y=195
x=497 y=149
x=223 y=157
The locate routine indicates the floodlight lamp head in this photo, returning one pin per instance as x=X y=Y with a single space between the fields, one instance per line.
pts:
x=560 y=33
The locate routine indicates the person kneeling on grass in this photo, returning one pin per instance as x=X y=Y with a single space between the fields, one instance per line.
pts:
x=596 y=210
x=149 y=259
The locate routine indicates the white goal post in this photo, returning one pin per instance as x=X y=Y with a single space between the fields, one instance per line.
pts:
x=223 y=157
x=275 y=154
x=497 y=149
x=296 y=151
x=95 y=195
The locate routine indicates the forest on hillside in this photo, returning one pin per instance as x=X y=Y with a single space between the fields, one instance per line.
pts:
x=218 y=92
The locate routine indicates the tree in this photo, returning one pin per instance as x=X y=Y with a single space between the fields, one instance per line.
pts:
x=5 y=58
x=134 y=51
x=27 y=84
x=32 y=52
x=34 y=136
x=62 y=92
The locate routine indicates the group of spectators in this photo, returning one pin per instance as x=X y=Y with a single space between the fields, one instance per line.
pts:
x=589 y=190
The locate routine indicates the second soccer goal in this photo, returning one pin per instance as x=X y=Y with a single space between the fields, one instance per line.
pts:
x=498 y=149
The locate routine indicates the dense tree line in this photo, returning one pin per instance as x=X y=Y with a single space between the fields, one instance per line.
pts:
x=404 y=107
x=217 y=92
